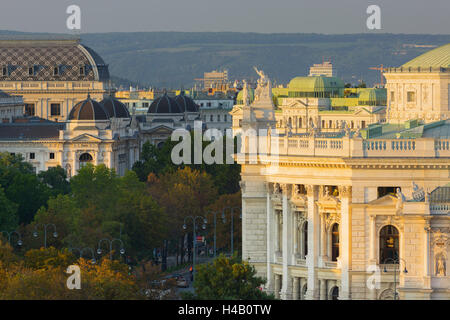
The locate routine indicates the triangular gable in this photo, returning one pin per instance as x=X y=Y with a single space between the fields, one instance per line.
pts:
x=85 y=137
x=387 y=200
x=161 y=129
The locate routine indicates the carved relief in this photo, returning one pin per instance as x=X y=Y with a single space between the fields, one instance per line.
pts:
x=440 y=244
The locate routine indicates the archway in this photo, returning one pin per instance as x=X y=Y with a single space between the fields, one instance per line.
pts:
x=84 y=159
x=389 y=244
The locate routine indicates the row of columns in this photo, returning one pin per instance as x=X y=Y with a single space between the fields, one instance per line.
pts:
x=298 y=284
x=314 y=231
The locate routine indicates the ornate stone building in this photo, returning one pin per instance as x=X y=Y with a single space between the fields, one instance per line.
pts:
x=52 y=76
x=97 y=133
x=349 y=213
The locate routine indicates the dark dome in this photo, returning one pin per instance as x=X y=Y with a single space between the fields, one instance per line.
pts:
x=186 y=103
x=164 y=104
x=88 y=110
x=115 y=108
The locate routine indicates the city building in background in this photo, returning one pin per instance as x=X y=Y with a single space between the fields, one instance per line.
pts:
x=352 y=210
x=11 y=107
x=52 y=76
x=322 y=69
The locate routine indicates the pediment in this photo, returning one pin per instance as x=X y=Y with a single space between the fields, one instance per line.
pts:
x=161 y=129
x=85 y=137
x=387 y=200
x=362 y=111
x=236 y=110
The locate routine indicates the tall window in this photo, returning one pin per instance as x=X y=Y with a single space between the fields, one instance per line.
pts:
x=411 y=96
x=55 y=109
x=4 y=71
x=280 y=230
x=389 y=244
x=335 y=242
x=29 y=109
x=392 y=96
x=305 y=240
x=300 y=122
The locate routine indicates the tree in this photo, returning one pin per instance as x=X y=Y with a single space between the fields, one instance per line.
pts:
x=22 y=186
x=56 y=179
x=8 y=213
x=228 y=279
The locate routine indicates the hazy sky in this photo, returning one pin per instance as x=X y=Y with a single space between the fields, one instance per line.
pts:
x=266 y=16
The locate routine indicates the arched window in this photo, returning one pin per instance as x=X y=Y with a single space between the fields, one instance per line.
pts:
x=84 y=159
x=335 y=293
x=290 y=122
x=335 y=242
x=389 y=244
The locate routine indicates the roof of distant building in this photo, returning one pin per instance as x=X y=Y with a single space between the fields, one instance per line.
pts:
x=439 y=57
x=30 y=130
x=28 y=60
x=164 y=104
x=88 y=110
x=186 y=103
x=115 y=108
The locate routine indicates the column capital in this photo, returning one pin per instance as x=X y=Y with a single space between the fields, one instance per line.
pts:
x=310 y=189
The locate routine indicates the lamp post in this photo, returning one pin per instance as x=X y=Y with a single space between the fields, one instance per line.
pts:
x=232 y=224
x=45 y=226
x=194 y=226
x=215 y=219
x=9 y=234
x=111 y=242
x=80 y=251
x=395 y=261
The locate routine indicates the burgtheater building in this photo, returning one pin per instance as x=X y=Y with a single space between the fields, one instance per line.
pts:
x=350 y=212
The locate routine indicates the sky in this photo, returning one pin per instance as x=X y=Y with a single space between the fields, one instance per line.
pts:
x=263 y=16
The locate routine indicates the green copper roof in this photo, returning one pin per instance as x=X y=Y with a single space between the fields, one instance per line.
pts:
x=315 y=84
x=439 y=57
x=240 y=96
x=372 y=97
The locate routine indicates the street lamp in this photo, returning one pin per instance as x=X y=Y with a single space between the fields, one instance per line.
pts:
x=9 y=234
x=215 y=216
x=80 y=251
x=232 y=224
x=194 y=227
x=395 y=261
x=45 y=226
x=111 y=242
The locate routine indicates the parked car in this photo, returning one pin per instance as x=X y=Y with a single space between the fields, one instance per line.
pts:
x=181 y=281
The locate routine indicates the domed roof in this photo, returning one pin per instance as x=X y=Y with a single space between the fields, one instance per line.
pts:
x=115 y=108
x=88 y=110
x=315 y=84
x=372 y=97
x=240 y=96
x=164 y=104
x=439 y=57
x=186 y=103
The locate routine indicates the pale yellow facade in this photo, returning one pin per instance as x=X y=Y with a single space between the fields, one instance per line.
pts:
x=345 y=212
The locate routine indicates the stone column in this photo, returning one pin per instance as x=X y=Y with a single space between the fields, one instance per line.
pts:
x=323 y=289
x=323 y=240
x=277 y=286
x=313 y=240
x=286 y=292
x=270 y=241
x=345 y=193
x=296 y=289
x=426 y=256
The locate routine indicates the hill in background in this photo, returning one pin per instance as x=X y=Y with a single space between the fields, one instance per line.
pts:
x=175 y=59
